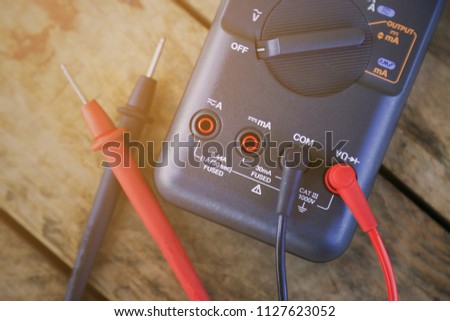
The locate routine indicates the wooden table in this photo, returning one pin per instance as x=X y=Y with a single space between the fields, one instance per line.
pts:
x=49 y=176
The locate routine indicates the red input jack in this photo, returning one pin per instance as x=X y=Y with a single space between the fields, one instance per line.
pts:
x=250 y=142
x=341 y=179
x=205 y=124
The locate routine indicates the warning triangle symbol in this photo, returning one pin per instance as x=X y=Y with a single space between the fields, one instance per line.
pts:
x=257 y=189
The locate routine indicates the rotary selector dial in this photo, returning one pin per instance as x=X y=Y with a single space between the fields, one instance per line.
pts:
x=316 y=48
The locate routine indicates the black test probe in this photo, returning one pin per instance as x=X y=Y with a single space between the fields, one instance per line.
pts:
x=134 y=116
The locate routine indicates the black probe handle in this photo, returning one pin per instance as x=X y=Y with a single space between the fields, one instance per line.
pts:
x=295 y=162
x=134 y=116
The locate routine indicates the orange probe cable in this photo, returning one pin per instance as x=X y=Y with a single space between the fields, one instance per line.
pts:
x=138 y=192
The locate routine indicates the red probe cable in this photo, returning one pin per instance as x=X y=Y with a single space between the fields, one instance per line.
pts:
x=141 y=197
x=341 y=179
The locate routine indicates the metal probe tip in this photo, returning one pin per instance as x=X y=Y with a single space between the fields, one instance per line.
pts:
x=156 y=55
x=74 y=84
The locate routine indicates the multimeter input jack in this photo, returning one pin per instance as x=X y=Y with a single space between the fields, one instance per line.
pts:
x=250 y=142
x=205 y=124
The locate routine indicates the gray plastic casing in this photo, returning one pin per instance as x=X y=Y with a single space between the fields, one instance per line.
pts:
x=238 y=88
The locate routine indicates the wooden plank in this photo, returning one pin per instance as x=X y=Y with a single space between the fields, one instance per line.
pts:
x=236 y=267
x=51 y=176
x=420 y=150
x=24 y=272
x=202 y=10
x=419 y=154
x=29 y=271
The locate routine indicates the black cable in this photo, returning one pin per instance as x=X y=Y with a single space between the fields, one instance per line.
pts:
x=108 y=193
x=294 y=164
x=281 y=258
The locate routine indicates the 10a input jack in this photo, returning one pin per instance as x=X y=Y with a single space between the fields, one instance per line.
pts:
x=205 y=124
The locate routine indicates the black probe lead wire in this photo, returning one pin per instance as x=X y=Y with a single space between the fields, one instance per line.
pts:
x=101 y=213
x=281 y=258
x=294 y=163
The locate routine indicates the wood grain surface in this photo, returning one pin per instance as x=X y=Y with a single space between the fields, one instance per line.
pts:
x=28 y=271
x=49 y=176
x=24 y=272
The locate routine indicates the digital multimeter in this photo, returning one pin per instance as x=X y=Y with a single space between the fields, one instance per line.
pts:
x=332 y=75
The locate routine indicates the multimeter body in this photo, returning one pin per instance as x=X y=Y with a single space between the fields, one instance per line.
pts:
x=332 y=75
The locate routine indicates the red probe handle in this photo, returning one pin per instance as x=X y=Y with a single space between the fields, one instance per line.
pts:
x=144 y=202
x=341 y=179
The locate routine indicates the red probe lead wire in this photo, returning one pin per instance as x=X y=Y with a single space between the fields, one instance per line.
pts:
x=385 y=262
x=138 y=192
x=341 y=179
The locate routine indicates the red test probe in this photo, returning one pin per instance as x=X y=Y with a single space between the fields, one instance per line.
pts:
x=138 y=192
x=341 y=179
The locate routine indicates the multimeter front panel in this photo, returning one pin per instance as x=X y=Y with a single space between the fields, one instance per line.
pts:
x=330 y=74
